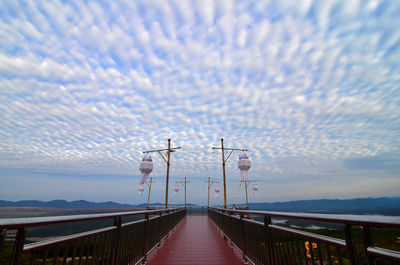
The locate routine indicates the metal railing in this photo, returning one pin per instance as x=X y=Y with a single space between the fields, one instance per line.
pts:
x=122 y=243
x=197 y=210
x=263 y=242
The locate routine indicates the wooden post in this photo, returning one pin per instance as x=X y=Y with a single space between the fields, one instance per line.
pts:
x=167 y=181
x=169 y=151
x=208 y=203
x=185 y=191
x=223 y=169
x=184 y=186
x=148 y=196
x=224 y=161
x=210 y=183
x=246 y=184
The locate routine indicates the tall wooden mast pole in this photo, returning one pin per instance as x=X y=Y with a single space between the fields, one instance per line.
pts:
x=223 y=169
x=208 y=203
x=148 y=196
x=183 y=183
x=169 y=151
x=246 y=184
x=185 y=191
x=167 y=180
x=224 y=161
x=210 y=183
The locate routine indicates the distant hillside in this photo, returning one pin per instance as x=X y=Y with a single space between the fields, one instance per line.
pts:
x=81 y=204
x=384 y=206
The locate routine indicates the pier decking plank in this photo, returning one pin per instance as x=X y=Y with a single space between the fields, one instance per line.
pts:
x=196 y=241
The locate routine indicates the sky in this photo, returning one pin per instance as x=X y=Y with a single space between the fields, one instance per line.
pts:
x=310 y=87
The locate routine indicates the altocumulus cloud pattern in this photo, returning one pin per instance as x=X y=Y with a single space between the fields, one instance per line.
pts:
x=311 y=88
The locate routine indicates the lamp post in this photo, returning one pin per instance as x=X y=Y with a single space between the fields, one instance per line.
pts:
x=148 y=196
x=224 y=161
x=169 y=151
x=246 y=185
x=184 y=185
x=210 y=183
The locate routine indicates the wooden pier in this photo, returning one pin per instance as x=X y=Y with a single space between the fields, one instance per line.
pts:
x=195 y=241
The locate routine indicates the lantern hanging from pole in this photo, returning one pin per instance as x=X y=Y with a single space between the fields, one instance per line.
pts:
x=255 y=188
x=141 y=189
x=217 y=189
x=146 y=166
x=244 y=164
x=176 y=189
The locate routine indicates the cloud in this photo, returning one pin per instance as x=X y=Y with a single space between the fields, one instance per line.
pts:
x=311 y=88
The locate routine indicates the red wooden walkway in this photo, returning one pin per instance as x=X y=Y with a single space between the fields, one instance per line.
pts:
x=195 y=241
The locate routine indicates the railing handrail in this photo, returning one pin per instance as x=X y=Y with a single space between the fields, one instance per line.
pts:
x=15 y=223
x=225 y=217
x=109 y=244
x=360 y=220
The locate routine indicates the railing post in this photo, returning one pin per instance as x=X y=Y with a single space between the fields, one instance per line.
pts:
x=268 y=241
x=159 y=228
x=2 y=238
x=18 y=246
x=169 y=223
x=367 y=241
x=223 y=224
x=117 y=238
x=244 y=247
x=144 y=252
x=351 y=249
x=230 y=230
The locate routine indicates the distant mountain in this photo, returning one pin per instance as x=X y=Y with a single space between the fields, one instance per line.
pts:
x=384 y=206
x=81 y=204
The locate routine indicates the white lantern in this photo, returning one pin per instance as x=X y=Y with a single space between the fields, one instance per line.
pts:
x=255 y=188
x=146 y=166
x=141 y=189
x=244 y=164
x=217 y=189
x=176 y=189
